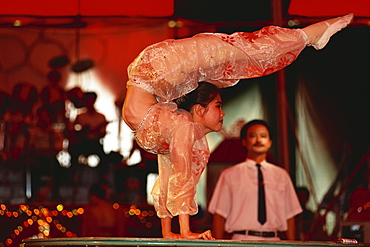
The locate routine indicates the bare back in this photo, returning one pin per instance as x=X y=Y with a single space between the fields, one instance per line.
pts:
x=136 y=105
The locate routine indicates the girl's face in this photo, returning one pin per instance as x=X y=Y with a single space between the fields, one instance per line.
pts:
x=212 y=117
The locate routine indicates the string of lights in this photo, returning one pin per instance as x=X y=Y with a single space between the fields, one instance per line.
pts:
x=43 y=218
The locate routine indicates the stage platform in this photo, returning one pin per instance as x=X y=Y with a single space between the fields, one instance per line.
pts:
x=95 y=242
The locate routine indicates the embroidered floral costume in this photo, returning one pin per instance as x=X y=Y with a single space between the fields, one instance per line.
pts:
x=173 y=68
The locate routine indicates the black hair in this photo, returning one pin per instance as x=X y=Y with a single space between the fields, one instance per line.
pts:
x=244 y=129
x=203 y=95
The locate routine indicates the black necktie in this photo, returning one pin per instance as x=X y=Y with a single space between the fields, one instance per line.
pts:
x=261 y=197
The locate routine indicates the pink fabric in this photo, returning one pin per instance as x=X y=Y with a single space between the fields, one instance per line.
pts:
x=183 y=155
x=172 y=68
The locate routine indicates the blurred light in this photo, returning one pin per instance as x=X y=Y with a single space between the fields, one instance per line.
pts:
x=355 y=227
x=135 y=158
x=93 y=160
x=17 y=23
x=65 y=143
x=78 y=127
x=28 y=184
x=151 y=178
x=60 y=207
x=172 y=24
x=9 y=241
x=44 y=216
x=82 y=159
x=293 y=23
x=64 y=159
x=45 y=211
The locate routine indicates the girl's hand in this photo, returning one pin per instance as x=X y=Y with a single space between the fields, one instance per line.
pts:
x=205 y=235
x=172 y=235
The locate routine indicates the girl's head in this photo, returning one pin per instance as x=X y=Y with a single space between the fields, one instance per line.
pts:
x=202 y=95
x=205 y=105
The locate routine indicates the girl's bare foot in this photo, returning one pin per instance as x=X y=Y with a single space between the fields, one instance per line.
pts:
x=320 y=33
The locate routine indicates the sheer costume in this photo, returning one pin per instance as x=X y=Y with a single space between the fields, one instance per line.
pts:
x=172 y=68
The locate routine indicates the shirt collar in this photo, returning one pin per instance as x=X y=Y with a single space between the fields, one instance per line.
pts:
x=252 y=163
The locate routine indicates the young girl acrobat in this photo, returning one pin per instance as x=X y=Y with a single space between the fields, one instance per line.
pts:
x=170 y=111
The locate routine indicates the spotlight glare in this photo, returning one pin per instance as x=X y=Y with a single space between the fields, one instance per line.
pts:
x=93 y=160
x=64 y=159
x=17 y=23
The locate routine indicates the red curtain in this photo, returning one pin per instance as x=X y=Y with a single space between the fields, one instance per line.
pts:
x=87 y=8
x=317 y=8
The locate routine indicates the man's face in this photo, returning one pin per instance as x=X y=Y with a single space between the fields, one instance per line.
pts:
x=257 y=140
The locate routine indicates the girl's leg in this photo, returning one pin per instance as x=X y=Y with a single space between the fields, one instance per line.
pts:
x=320 y=33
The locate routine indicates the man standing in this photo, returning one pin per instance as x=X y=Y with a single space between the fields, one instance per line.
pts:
x=254 y=200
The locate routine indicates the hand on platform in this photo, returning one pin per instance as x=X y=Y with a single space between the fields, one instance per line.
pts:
x=172 y=235
x=205 y=235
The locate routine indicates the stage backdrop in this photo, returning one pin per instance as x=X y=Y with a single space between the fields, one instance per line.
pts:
x=328 y=90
